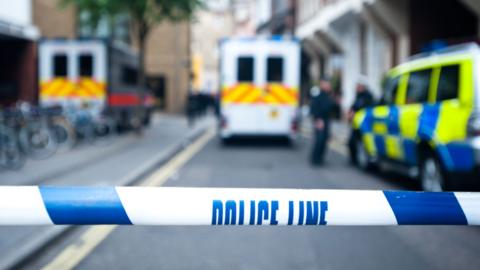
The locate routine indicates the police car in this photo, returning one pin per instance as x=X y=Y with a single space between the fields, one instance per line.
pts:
x=428 y=122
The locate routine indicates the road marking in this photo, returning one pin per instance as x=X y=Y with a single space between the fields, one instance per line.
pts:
x=73 y=254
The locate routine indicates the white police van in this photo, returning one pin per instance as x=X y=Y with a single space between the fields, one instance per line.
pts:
x=259 y=86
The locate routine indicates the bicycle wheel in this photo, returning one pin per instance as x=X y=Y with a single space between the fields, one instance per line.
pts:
x=11 y=157
x=65 y=135
x=104 y=130
x=37 y=140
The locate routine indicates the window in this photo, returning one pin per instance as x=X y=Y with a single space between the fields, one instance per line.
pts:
x=274 y=69
x=390 y=91
x=448 y=83
x=60 y=65
x=418 y=84
x=245 y=69
x=85 y=65
x=129 y=76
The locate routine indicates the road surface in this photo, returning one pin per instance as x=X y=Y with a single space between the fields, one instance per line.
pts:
x=266 y=164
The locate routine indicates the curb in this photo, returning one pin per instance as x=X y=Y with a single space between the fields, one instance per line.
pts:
x=27 y=251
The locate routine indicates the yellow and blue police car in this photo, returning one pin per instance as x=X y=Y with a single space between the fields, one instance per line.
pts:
x=428 y=121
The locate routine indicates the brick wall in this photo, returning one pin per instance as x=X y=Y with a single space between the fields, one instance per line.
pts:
x=168 y=54
x=53 y=21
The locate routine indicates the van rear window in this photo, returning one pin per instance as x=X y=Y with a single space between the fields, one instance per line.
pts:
x=245 y=69
x=60 y=65
x=85 y=65
x=274 y=69
x=448 y=83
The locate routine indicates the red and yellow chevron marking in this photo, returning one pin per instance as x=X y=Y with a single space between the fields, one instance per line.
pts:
x=246 y=93
x=85 y=88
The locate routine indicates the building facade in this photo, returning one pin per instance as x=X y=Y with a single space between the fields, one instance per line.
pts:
x=167 y=64
x=53 y=21
x=281 y=18
x=365 y=38
x=212 y=24
x=18 y=35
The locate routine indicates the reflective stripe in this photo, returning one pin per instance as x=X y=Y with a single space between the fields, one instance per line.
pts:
x=408 y=117
x=452 y=121
x=247 y=93
x=393 y=121
x=394 y=149
x=380 y=118
x=84 y=205
x=62 y=87
x=124 y=99
x=380 y=145
x=417 y=208
x=410 y=151
x=370 y=144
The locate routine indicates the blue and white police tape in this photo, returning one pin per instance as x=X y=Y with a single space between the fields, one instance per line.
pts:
x=30 y=205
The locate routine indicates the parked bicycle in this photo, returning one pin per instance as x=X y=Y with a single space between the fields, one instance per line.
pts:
x=91 y=128
x=11 y=157
x=37 y=133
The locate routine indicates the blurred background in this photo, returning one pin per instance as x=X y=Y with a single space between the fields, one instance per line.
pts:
x=98 y=92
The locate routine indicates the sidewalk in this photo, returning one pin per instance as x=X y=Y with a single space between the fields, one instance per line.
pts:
x=124 y=162
x=163 y=131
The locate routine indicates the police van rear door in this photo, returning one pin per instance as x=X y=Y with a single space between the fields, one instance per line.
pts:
x=280 y=63
x=239 y=96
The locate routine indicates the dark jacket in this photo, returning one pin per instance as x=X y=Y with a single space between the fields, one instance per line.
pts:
x=362 y=100
x=321 y=106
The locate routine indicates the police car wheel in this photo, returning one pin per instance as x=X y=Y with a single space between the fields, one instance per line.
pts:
x=431 y=175
x=361 y=155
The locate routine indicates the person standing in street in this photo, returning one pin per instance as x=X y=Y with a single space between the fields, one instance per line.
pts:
x=321 y=105
x=192 y=108
x=363 y=99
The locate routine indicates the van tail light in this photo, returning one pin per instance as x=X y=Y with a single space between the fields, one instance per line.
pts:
x=294 y=126
x=223 y=122
x=473 y=127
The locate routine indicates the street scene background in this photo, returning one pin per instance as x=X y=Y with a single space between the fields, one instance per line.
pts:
x=93 y=94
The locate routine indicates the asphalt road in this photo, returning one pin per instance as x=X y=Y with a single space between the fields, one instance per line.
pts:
x=273 y=165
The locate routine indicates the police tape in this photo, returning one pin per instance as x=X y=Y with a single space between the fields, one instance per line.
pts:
x=31 y=205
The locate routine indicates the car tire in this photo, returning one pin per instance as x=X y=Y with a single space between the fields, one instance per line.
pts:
x=432 y=177
x=352 y=150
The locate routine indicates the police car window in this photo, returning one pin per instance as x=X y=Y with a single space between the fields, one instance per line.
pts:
x=245 y=69
x=274 y=69
x=418 y=84
x=448 y=83
x=85 y=65
x=390 y=90
x=60 y=63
